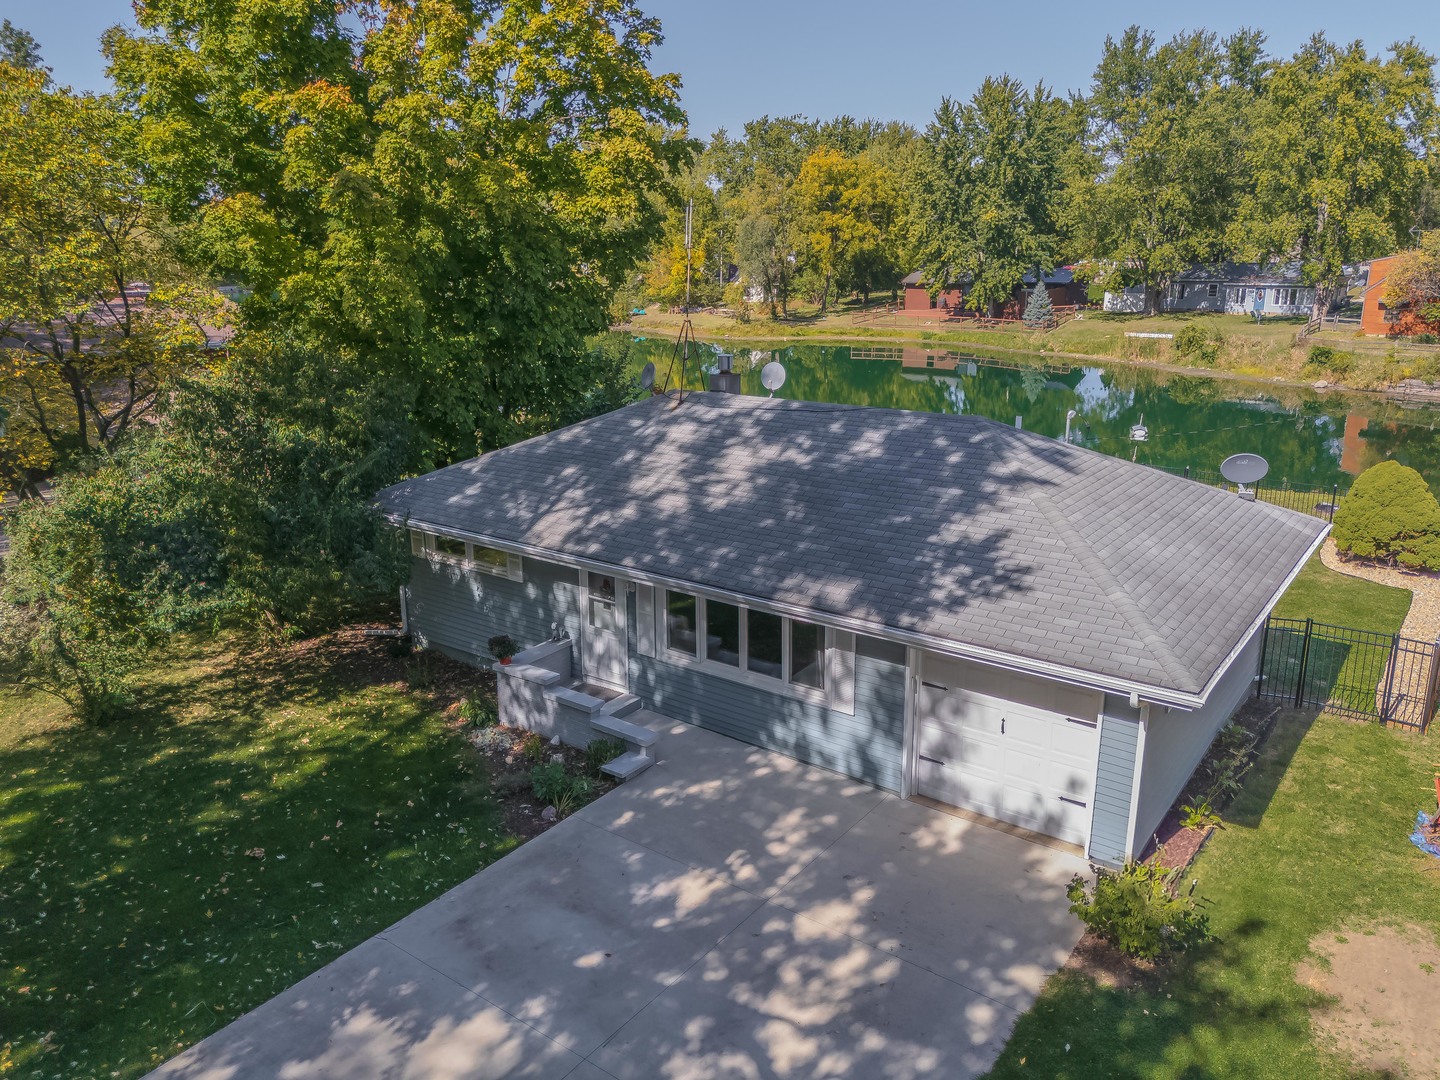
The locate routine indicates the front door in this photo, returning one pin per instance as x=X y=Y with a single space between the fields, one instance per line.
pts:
x=604 y=650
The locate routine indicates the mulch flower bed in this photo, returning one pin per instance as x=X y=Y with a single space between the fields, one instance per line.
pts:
x=449 y=683
x=1174 y=846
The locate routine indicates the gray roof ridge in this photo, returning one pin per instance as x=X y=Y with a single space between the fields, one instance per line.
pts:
x=1124 y=603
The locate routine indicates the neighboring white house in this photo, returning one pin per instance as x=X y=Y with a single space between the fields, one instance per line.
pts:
x=1234 y=288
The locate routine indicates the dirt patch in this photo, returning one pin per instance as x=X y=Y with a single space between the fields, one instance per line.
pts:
x=1383 y=985
x=1107 y=966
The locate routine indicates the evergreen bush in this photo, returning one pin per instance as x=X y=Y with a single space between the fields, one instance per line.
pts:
x=1039 y=312
x=1390 y=515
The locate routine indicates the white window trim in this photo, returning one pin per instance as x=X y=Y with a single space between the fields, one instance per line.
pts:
x=740 y=674
x=423 y=544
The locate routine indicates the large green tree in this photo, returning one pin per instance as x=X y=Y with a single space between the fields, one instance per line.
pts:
x=1340 y=157
x=1164 y=167
x=85 y=352
x=442 y=192
x=988 y=188
x=844 y=206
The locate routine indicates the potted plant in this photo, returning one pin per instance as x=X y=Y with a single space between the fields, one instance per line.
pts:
x=503 y=648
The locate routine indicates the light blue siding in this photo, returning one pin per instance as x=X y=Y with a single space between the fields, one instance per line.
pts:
x=1114 y=781
x=867 y=745
x=459 y=610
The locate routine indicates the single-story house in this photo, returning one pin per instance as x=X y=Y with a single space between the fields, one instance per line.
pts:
x=1064 y=291
x=1234 y=288
x=941 y=606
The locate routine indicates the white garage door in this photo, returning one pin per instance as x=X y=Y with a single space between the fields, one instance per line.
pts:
x=1008 y=746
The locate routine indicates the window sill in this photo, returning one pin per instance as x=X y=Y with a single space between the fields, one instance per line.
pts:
x=745 y=678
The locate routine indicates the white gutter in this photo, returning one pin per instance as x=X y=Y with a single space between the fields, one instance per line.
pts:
x=1021 y=664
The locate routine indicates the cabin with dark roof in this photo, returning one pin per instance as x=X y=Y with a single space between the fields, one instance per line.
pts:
x=1064 y=291
x=941 y=606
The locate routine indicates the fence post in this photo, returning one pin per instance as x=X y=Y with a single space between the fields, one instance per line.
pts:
x=1264 y=644
x=1334 y=497
x=1432 y=689
x=1187 y=472
x=1390 y=677
x=1304 y=660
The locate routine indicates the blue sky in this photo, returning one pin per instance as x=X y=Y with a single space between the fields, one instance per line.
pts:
x=743 y=58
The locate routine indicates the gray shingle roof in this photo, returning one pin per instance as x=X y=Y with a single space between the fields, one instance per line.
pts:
x=951 y=526
x=1232 y=273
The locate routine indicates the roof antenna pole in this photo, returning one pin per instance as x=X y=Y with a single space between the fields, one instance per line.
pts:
x=687 y=332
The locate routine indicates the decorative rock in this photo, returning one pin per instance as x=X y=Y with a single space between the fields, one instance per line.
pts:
x=549 y=814
x=555 y=741
x=557 y=759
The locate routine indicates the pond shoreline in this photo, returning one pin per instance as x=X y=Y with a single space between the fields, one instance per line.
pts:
x=1392 y=393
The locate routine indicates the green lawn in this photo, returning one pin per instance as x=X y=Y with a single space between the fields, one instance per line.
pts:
x=136 y=911
x=1316 y=842
x=1326 y=596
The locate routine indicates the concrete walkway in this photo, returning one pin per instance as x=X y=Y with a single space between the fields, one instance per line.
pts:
x=729 y=913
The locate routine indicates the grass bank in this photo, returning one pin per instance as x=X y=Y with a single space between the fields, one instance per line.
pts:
x=257 y=816
x=1242 y=348
x=1327 y=596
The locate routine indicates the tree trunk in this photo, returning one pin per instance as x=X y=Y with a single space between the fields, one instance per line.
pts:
x=1153 y=294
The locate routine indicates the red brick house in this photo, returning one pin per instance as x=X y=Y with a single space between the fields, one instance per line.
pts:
x=1064 y=291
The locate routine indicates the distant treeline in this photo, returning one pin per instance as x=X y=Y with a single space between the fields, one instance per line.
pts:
x=1197 y=149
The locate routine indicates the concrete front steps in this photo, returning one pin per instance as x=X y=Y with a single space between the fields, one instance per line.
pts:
x=611 y=723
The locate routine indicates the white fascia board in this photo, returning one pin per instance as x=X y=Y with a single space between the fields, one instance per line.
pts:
x=1023 y=665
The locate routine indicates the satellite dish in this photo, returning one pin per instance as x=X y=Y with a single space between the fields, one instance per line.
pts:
x=647 y=376
x=1244 y=468
x=772 y=376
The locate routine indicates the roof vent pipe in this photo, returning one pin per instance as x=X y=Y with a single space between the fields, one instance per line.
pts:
x=724 y=380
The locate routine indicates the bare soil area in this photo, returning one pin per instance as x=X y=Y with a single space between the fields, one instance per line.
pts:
x=1382 y=985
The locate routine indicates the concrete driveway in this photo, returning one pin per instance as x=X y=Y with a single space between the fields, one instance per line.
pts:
x=730 y=913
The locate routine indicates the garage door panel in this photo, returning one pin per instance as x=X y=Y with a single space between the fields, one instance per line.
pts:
x=1008 y=746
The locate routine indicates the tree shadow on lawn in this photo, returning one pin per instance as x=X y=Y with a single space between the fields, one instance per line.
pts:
x=1271 y=763
x=1180 y=1020
x=256 y=815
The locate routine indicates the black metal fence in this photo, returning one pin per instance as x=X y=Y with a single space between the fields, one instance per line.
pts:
x=1318 y=502
x=1350 y=672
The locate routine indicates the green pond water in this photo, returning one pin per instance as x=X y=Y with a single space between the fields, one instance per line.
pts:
x=1312 y=440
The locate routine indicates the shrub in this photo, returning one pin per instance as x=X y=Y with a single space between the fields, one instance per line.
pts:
x=479 y=712
x=1332 y=360
x=553 y=786
x=1200 y=816
x=1198 y=344
x=602 y=752
x=1390 y=515
x=1135 y=911
x=533 y=748
x=419 y=671
x=1190 y=339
